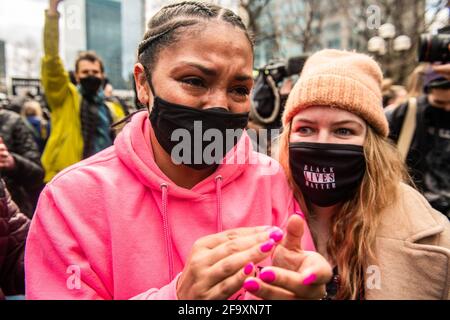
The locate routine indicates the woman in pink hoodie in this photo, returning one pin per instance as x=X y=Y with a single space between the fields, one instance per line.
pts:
x=136 y=221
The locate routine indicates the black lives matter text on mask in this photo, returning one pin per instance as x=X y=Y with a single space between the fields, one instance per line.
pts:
x=319 y=177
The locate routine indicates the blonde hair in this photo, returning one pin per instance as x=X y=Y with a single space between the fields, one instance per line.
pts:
x=353 y=229
x=31 y=108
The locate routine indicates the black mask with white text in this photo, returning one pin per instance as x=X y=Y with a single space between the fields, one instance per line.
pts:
x=167 y=117
x=327 y=174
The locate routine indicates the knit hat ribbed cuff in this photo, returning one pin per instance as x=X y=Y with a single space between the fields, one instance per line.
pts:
x=341 y=92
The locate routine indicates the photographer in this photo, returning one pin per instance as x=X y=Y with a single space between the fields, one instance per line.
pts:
x=421 y=129
x=272 y=87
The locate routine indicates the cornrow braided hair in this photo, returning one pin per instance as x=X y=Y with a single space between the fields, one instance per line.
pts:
x=165 y=26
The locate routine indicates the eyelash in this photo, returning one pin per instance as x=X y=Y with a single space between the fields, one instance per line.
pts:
x=349 y=131
x=193 y=82
x=198 y=82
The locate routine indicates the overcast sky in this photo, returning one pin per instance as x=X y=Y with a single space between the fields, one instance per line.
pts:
x=21 y=19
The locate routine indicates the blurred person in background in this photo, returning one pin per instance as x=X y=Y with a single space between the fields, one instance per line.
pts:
x=20 y=166
x=14 y=227
x=81 y=117
x=421 y=129
x=393 y=95
x=34 y=118
x=120 y=106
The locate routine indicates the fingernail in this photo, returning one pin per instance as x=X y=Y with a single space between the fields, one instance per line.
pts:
x=301 y=214
x=249 y=268
x=268 y=276
x=276 y=235
x=251 y=285
x=266 y=247
x=310 y=279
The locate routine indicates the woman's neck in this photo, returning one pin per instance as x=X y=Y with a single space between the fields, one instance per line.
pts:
x=181 y=175
x=321 y=225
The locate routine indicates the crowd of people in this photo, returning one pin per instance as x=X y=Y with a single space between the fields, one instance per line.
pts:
x=360 y=183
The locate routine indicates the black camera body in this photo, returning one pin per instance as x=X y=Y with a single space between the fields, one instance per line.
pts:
x=435 y=48
x=267 y=102
x=280 y=70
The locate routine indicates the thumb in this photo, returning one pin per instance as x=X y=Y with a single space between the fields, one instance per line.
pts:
x=294 y=233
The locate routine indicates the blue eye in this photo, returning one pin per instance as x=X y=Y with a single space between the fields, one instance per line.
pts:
x=305 y=130
x=344 y=132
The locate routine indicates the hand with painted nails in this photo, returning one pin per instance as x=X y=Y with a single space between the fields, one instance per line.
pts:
x=295 y=274
x=219 y=264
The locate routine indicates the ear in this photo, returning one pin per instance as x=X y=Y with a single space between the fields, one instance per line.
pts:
x=77 y=77
x=142 y=88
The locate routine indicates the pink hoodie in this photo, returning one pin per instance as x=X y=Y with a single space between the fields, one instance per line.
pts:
x=115 y=227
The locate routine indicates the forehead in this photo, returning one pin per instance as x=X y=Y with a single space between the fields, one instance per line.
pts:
x=86 y=64
x=326 y=115
x=443 y=94
x=216 y=42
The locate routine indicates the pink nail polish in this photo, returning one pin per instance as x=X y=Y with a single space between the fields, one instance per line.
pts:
x=301 y=214
x=268 y=276
x=267 y=246
x=251 y=285
x=276 y=235
x=249 y=268
x=310 y=279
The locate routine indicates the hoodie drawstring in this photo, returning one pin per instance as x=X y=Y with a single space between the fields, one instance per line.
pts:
x=167 y=232
x=219 y=203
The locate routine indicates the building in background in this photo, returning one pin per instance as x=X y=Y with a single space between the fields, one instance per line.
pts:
x=3 y=87
x=112 y=28
x=133 y=29
x=104 y=36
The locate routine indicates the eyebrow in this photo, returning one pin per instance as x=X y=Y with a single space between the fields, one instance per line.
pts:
x=338 y=123
x=213 y=73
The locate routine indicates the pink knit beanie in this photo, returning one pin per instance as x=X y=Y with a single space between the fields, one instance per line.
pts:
x=346 y=80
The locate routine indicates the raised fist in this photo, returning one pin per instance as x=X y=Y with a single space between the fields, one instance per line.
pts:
x=53 y=6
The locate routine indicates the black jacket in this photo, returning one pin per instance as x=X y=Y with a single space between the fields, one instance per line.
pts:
x=26 y=179
x=423 y=143
x=13 y=233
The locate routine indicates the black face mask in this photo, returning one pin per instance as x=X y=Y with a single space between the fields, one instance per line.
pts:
x=90 y=85
x=192 y=124
x=327 y=174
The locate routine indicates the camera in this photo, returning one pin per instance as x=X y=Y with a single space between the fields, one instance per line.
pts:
x=267 y=103
x=280 y=69
x=434 y=48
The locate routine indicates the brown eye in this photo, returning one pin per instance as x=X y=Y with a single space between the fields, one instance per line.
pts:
x=242 y=91
x=194 y=82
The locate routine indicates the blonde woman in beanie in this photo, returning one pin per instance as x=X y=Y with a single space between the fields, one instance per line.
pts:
x=380 y=235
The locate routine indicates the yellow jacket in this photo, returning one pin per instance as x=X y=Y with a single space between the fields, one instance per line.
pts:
x=65 y=144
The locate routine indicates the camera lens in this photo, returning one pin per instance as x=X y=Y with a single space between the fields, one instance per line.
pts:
x=434 y=48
